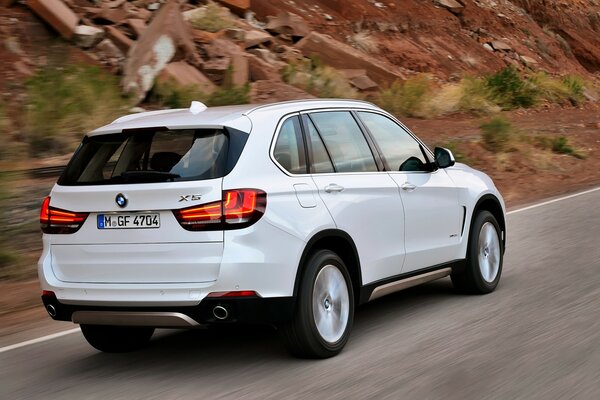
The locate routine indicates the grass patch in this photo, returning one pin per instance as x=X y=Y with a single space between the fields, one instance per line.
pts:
x=363 y=40
x=318 y=79
x=559 y=145
x=63 y=103
x=497 y=134
x=470 y=95
x=212 y=18
x=408 y=98
x=509 y=90
x=169 y=93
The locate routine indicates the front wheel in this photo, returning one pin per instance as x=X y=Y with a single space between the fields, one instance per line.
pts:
x=117 y=339
x=325 y=308
x=484 y=257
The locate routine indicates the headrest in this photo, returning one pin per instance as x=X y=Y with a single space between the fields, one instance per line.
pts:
x=164 y=161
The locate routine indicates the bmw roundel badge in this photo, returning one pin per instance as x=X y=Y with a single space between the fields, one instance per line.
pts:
x=121 y=200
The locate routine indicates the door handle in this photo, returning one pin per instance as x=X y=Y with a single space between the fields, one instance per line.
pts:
x=333 y=187
x=409 y=187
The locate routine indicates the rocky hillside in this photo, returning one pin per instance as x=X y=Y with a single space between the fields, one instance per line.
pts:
x=372 y=43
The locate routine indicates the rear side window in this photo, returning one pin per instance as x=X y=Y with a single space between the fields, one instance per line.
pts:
x=289 y=149
x=149 y=155
x=344 y=141
x=320 y=162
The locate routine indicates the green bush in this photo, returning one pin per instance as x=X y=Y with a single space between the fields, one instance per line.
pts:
x=497 y=134
x=575 y=86
x=406 y=98
x=63 y=103
x=509 y=90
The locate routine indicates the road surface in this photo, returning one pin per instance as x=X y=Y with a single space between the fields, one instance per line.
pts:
x=536 y=337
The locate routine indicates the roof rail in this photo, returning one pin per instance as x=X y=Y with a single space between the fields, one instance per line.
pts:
x=261 y=106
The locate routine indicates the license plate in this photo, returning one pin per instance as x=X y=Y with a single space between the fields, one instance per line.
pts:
x=129 y=221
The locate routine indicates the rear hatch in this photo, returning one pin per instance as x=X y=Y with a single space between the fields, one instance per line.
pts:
x=129 y=185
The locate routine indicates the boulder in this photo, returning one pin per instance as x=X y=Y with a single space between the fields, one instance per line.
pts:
x=500 y=46
x=57 y=15
x=187 y=75
x=167 y=38
x=119 y=38
x=339 y=55
x=272 y=91
x=223 y=56
x=86 y=36
x=261 y=70
x=254 y=38
x=363 y=82
x=451 y=5
x=137 y=25
x=528 y=60
x=287 y=23
x=237 y=6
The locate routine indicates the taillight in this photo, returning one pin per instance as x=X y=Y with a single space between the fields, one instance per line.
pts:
x=238 y=209
x=57 y=221
x=237 y=293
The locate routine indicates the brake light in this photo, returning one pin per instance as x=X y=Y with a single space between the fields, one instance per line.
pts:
x=57 y=221
x=237 y=293
x=238 y=209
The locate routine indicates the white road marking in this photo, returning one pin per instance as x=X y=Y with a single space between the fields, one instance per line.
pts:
x=64 y=333
x=38 y=340
x=545 y=203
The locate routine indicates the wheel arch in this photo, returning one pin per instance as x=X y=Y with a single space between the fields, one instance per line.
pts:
x=340 y=243
x=491 y=203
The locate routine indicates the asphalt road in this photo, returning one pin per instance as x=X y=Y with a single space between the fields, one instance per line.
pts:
x=536 y=337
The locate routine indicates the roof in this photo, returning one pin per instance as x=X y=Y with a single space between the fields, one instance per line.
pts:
x=218 y=117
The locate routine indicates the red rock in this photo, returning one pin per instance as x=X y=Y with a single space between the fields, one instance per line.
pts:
x=254 y=38
x=271 y=91
x=6 y=3
x=239 y=66
x=138 y=25
x=166 y=39
x=119 y=38
x=363 y=82
x=261 y=70
x=56 y=14
x=237 y=6
x=187 y=75
x=339 y=55
x=287 y=23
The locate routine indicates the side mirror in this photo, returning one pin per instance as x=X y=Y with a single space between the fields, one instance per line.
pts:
x=443 y=157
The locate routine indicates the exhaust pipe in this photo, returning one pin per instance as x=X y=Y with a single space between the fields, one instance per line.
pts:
x=220 y=312
x=51 y=310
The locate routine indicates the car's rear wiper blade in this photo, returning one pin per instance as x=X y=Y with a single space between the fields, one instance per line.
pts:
x=148 y=176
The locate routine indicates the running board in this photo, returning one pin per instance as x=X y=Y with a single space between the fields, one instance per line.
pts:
x=392 y=287
x=126 y=318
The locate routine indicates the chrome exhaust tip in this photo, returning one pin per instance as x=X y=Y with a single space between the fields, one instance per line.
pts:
x=220 y=312
x=51 y=310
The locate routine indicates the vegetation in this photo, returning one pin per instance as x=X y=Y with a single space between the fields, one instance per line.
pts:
x=318 y=79
x=212 y=18
x=62 y=103
x=497 y=134
x=171 y=94
x=509 y=90
x=559 y=145
x=406 y=98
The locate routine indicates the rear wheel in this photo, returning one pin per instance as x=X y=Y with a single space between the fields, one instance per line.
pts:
x=117 y=339
x=321 y=325
x=484 y=257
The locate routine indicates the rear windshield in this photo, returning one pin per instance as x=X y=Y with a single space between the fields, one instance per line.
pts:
x=153 y=155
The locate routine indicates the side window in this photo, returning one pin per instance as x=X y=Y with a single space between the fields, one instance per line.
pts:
x=289 y=149
x=321 y=163
x=344 y=141
x=401 y=151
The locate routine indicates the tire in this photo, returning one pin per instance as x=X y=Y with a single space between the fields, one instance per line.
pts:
x=117 y=339
x=323 y=317
x=484 y=257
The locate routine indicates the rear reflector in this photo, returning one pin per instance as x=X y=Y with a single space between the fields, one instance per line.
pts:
x=48 y=293
x=238 y=209
x=238 y=293
x=57 y=221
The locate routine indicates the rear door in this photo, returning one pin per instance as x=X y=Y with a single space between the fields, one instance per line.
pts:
x=363 y=201
x=130 y=183
x=433 y=217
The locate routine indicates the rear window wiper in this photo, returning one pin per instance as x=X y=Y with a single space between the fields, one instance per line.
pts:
x=147 y=176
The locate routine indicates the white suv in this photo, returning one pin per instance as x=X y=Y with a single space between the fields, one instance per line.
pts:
x=289 y=214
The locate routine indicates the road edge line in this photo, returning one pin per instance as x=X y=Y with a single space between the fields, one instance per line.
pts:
x=547 y=202
x=38 y=340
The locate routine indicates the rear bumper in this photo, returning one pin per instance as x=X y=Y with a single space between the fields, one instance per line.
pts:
x=257 y=310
